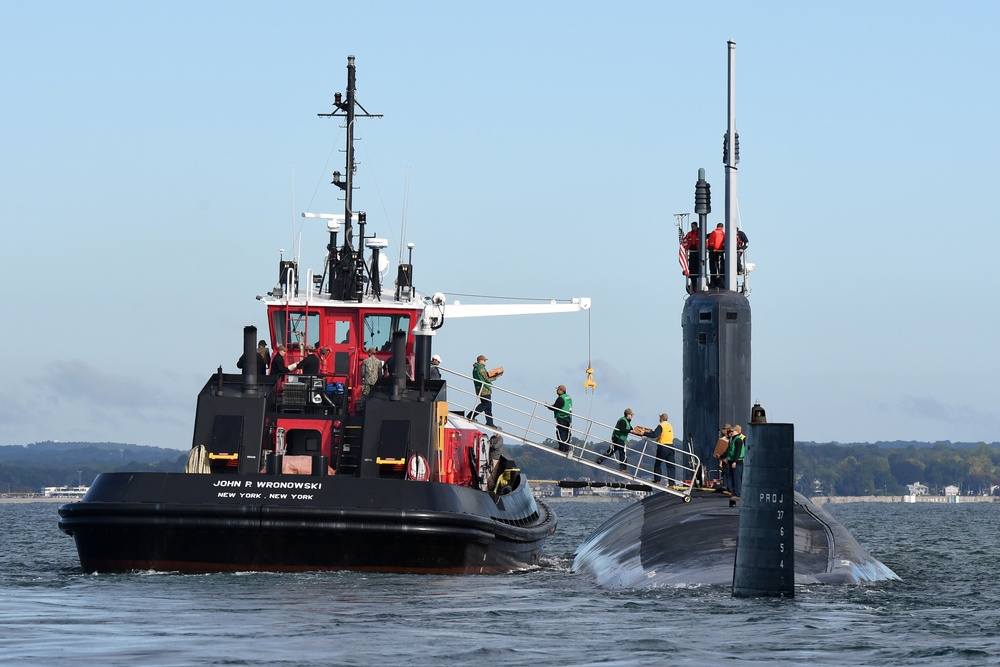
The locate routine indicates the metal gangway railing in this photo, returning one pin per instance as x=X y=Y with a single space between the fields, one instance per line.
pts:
x=531 y=422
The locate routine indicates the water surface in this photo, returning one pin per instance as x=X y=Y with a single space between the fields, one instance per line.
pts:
x=945 y=611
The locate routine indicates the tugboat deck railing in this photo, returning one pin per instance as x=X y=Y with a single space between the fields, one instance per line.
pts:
x=531 y=422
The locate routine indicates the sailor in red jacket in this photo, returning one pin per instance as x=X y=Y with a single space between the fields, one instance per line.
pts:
x=690 y=243
x=716 y=255
x=741 y=245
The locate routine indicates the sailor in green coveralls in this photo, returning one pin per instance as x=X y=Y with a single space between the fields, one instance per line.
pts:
x=563 y=409
x=483 y=383
x=734 y=460
x=619 y=439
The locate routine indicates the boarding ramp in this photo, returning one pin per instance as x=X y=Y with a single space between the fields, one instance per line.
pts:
x=531 y=422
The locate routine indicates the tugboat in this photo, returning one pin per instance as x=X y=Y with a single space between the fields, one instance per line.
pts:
x=318 y=471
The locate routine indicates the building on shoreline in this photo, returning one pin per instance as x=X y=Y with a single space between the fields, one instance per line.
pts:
x=67 y=492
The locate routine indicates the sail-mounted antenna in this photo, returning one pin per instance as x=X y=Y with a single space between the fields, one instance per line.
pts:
x=731 y=157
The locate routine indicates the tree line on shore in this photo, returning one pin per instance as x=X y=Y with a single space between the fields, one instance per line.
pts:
x=870 y=470
x=29 y=468
x=833 y=469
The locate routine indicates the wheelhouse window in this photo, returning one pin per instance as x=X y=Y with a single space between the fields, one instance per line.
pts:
x=295 y=329
x=342 y=332
x=379 y=328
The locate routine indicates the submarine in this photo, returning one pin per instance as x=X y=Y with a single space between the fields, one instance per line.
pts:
x=768 y=539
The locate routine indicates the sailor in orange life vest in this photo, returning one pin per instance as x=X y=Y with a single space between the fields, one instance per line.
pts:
x=716 y=254
x=691 y=242
x=663 y=435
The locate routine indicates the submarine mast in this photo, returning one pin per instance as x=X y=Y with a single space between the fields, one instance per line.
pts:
x=731 y=157
x=716 y=317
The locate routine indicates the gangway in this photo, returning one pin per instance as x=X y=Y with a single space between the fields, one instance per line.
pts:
x=531 y=422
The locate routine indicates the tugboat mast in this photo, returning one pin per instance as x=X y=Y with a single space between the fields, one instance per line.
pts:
x=350 y=166
x=346 y=267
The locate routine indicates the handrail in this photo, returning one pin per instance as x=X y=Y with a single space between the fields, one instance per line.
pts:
x=289 y=285
x=677 y=476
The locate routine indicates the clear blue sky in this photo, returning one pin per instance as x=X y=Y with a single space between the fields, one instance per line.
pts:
x=151 y=152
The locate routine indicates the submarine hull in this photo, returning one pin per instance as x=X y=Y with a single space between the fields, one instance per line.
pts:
x=663 y=541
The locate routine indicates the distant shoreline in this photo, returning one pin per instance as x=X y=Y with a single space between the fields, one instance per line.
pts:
x=592 y=498
x=909 y=500
x=34 y=499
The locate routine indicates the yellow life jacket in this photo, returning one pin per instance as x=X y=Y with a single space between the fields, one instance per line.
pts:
x=666 y=436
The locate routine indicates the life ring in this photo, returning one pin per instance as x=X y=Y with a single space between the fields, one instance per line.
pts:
x=417 y=469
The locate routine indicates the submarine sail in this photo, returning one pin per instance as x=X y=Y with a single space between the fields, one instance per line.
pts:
x=662 y=541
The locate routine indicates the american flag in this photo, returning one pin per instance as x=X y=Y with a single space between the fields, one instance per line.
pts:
x=682 y=257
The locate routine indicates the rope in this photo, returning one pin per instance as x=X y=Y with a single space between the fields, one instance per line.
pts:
x=378 y=190
x=590 y=367
x=319 y=182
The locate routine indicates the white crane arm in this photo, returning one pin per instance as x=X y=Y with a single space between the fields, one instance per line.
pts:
x=436 y=311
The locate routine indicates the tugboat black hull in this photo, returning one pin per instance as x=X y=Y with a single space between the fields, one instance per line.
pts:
x=217 y=523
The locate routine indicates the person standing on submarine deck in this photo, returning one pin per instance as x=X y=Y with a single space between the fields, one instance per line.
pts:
x=692 y=243
x=663 y=436
x=734 y=460
x=716 y=256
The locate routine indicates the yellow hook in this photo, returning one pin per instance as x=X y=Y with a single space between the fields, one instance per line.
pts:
x=590 y=384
